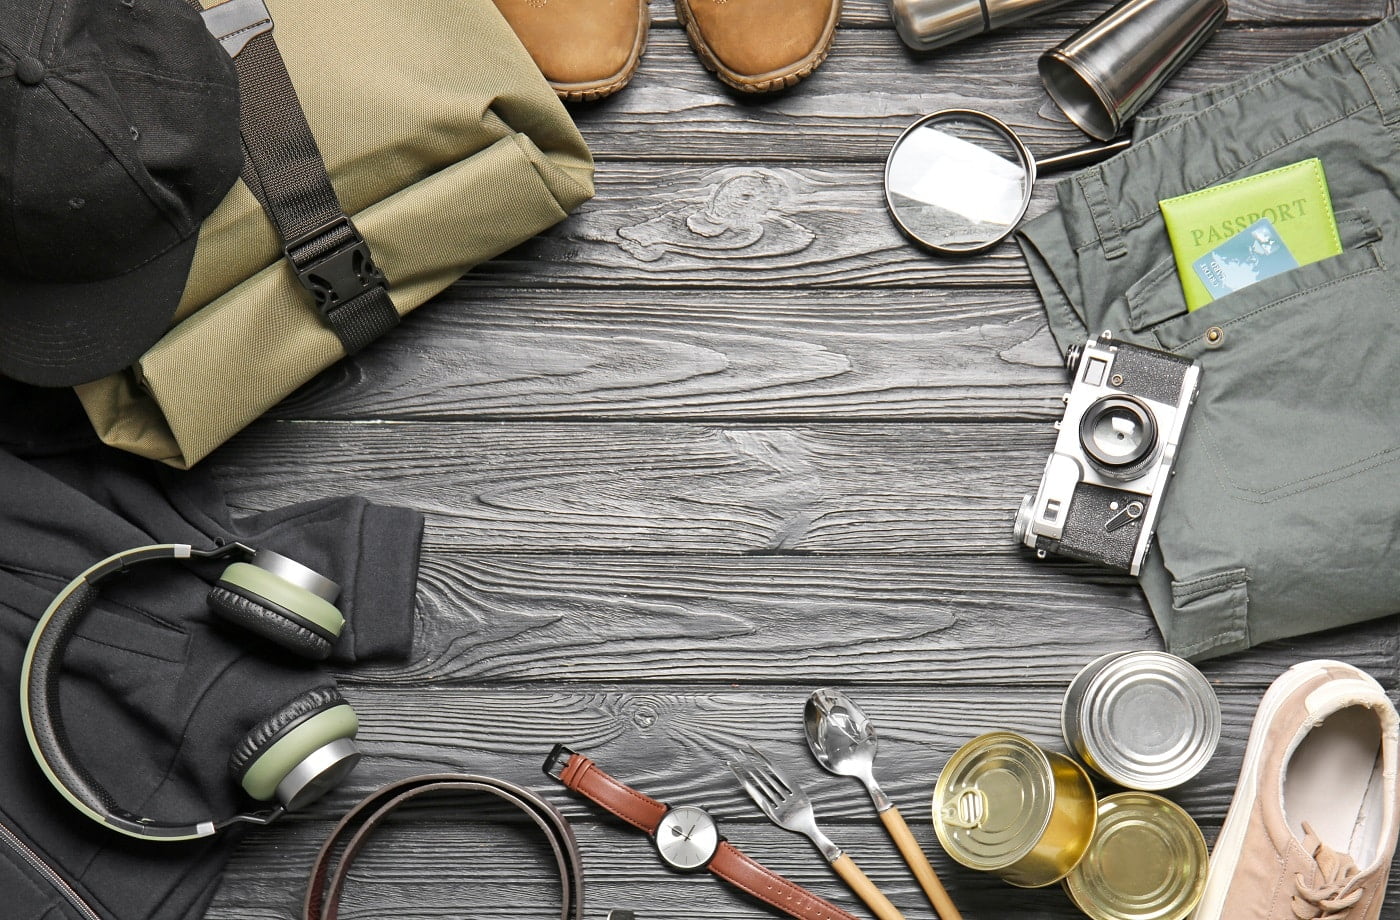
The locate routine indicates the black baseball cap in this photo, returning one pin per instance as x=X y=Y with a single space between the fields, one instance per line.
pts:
x=118 y=136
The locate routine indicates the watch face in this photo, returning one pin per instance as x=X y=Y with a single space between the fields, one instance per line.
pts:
x=687 y=838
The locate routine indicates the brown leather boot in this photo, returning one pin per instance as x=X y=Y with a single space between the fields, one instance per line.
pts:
x=586 y=49
x=758 y=46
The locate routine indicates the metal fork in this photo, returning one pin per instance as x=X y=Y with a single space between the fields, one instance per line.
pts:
x=787 y=806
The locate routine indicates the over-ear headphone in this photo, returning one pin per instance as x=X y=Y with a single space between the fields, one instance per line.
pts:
x=293 y=757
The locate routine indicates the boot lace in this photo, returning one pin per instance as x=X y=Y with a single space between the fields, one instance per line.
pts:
x=1334 y=892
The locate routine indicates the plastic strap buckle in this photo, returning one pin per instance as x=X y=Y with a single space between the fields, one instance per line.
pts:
x=333 y=262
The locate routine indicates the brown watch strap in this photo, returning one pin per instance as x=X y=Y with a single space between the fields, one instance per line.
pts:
x=749 y=875
x=329 y=874
x=582 y=775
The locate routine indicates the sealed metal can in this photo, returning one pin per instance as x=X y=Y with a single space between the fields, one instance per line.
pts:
x=1005 y=805
x=1147 y=861
x=1146 y=720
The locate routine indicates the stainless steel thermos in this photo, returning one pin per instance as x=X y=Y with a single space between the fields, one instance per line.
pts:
x=1103 y=74
x=928 y=24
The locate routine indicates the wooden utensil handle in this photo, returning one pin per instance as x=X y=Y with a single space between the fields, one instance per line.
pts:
x=918 y=862
x=861 y=884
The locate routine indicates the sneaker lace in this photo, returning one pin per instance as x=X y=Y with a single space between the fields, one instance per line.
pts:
x=1335 y=891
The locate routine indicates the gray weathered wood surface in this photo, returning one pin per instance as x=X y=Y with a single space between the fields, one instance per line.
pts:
x=673 y=486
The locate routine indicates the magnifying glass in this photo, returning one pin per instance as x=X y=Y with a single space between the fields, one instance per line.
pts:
x=957 y=182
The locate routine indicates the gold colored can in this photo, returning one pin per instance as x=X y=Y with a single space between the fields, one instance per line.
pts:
x=1147 y=861
x=1005 y=805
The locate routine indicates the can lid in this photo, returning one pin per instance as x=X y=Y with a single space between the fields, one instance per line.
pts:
x=993 y=801
x=1149 y=720
x=1147 y=861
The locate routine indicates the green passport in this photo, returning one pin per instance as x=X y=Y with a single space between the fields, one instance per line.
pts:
x=1292 y=198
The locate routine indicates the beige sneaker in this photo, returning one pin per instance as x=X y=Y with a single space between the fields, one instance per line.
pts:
x=1311 y=831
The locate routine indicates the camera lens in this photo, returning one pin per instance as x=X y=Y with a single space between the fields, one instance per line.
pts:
x=1117 y=432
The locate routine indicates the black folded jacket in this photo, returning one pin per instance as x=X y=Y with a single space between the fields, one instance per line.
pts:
x=156 y=690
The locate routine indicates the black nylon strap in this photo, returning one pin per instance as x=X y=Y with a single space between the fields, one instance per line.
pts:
x=284 y=169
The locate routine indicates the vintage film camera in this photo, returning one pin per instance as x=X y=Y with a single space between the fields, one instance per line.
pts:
x=1102 y=487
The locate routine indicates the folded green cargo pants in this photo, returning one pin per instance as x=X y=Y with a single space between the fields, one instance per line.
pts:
x=1284 y=515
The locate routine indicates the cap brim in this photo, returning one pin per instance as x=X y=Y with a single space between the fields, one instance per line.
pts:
x=56 y=334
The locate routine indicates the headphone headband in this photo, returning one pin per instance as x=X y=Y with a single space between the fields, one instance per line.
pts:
x=39 y=704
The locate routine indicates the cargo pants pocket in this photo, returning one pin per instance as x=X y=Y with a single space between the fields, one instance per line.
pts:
x=1210 y=614
x=1297 y=373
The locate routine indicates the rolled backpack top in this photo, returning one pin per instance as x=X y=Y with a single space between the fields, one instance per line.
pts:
x=445 y=147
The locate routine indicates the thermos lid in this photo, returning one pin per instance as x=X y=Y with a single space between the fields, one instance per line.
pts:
x=928 y=24
x=993 y=801
x=1146 y=720
x=1147 y=861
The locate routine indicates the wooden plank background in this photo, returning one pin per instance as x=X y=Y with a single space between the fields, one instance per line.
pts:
x=672 y=486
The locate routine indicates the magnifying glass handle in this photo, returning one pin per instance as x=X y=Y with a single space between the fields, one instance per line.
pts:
x=1083 y=156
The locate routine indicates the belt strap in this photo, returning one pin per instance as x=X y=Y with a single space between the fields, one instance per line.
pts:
x=283 y=167
x=329 y=874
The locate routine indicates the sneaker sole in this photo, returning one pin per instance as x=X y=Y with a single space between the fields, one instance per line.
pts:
x=1225 y=855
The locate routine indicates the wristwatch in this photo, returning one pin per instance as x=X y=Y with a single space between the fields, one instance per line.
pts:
x=686 y=837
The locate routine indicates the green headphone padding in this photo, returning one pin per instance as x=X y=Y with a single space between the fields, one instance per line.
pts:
x=278 y=590
x=261 y=777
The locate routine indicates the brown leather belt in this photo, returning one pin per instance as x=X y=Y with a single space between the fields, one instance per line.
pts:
x=350 y=835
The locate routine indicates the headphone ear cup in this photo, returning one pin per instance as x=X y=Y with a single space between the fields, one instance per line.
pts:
x=268 y=623
x=277 y=610
x=300 y=752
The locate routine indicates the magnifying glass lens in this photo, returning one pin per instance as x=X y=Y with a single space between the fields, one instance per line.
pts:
x=958 y=181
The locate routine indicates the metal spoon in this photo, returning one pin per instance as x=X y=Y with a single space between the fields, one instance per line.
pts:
x=843 y=741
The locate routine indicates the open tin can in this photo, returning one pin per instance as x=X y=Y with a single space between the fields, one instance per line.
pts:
x=1147 y=861
x=1146 y=720
x=1005 y=805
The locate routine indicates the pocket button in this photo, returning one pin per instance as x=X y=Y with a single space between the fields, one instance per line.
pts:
x=1215 y=337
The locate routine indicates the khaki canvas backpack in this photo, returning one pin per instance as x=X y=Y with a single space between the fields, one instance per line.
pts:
x=443 y=143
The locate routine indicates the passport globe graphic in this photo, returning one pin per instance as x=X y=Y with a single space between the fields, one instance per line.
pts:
x=1250 y=256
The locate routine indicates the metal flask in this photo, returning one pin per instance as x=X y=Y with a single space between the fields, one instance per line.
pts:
x=928 y=24
x=1104 y=73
